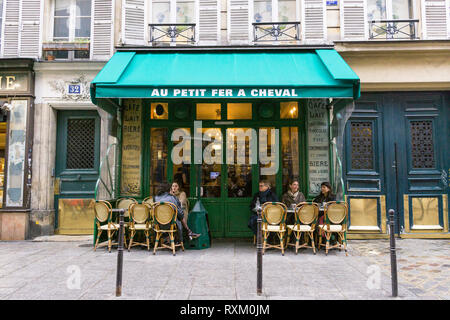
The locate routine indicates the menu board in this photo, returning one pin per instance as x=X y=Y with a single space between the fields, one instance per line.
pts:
x=131 y=148
x=318 y=145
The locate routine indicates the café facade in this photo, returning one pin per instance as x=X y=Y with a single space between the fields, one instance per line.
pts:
x=218 y=121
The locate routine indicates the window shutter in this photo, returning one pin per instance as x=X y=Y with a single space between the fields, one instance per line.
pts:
x=209 y=22
x=102 y=30
x=239 y=21
x=314 y=20
x=435 y=19
x=133 y=22
x=10 y=47
x=29 y=35
x=354 y=20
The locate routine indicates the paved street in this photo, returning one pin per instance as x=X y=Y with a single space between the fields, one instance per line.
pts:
x=61 y=267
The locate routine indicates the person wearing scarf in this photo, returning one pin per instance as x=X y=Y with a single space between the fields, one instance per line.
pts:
x=292 y=197
x=265 y=194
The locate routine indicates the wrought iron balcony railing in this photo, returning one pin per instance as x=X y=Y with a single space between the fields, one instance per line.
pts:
x=276 y=31
x=172 y=33
x=393 y=29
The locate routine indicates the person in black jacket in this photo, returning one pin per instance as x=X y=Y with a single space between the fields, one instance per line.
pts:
x=265 y=194
x=325 y=195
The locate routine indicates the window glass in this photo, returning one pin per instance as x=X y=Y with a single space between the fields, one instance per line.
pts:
x=376 y=9
x=159 y=110
x=237 y=111
x=211 y=166
x=158 y=156
x=263 y=10
x=161 y=12
x=209 y=111
x=289 y=110
x=286 y=11
x=289 y=150
x=362 y=145
x=62 y=8
x=185 y=12
x=2 y=158
x=239 y=155
x=1 y=17
x=268 y=155
x=400 y=9
x=181 y=158
x=83 y=8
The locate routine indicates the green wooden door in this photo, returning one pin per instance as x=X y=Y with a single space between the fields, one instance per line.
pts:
x=76 y=170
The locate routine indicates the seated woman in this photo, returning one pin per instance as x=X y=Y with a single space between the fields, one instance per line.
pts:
x=324 y=196
x=264 y=195
x=175 y=190
x=292 y=197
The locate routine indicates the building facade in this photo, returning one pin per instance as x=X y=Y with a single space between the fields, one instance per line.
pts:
x=392 y=154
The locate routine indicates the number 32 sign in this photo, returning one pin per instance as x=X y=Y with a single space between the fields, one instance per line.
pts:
x=74 y=89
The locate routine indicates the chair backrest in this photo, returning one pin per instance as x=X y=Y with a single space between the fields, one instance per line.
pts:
x=164 y=212
x=102 y=211
x=274 y=213
x=139 y=212
x=336 y=212
x=124 y=203
x=306 y=212
x=149 y=201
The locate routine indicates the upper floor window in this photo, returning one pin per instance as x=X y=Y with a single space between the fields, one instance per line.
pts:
x=275 y=10
x=389 y=9
x=173 y=11
x=72 y=23
x=1 y=18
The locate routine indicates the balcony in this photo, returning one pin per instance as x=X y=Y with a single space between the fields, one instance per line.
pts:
x=65 y=50
x=264 y=32
x=172 y=34
x=393 y=29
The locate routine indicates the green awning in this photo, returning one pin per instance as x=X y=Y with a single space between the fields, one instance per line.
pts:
x=300 y=74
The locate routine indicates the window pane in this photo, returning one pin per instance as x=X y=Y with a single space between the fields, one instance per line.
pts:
x=62 y=8
x=61 y=54
x=61 y=28
x=239 y=162
x=211 y=166
x=286 y=11
x=400 y=9
x=237 y=111
x=80 y=144
x=268 y=156
x=181 y=158
x=83 y=28
x=159 y=110
x=263 y=11
x=158 y=158
x=376 y=9
x=161 y=12
x=290 y=156
x=362 y=145
x=289 y=110
x=81 y=54
x=422 y=144
x=185 y=12
x=209 y=111
x=83 y=8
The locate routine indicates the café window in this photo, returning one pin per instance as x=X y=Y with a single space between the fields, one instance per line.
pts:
x=289 y=110
x=239 y=111
x=159 y=158
x=209 y=111
x=181 y=158
x=173 y=11
x=159 y=110
x=71 y=23
x=274 y=10
x=2 y=156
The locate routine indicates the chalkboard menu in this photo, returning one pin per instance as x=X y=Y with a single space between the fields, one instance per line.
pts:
x=318 y=145
x=131 y=148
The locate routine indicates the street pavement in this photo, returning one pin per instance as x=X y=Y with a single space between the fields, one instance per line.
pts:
x=67 y=267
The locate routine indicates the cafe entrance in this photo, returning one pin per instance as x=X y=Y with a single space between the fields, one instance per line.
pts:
x=241 y=143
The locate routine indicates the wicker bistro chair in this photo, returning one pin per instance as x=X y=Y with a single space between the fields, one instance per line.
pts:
x=149 y=201
x=103 y=216
x=335 y=221
x=273 y=216
x=125 y=203
x=140 y=221
x=164 y=221
x=306 y=214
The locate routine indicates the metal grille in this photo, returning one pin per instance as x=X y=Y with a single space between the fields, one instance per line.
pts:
x=362 y=145
x=422 y=146
x=80 y=144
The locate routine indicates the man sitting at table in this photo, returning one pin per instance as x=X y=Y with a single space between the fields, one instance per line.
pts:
x=164 y=195
x=264 y=195
x=291 y=198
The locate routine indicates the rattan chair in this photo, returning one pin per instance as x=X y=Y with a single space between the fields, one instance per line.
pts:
x=306 y=214
x=335 y=221
x=149 y=201
x=103 y=219
x=274 y=220
x=164 y=221
x=140 y=220
x=125 y=203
